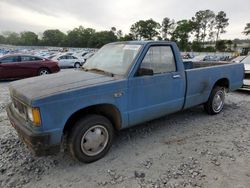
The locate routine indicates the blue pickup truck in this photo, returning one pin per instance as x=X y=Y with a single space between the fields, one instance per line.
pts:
x=122 y=85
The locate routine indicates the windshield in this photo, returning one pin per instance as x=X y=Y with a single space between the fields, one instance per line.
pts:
x=113 y=58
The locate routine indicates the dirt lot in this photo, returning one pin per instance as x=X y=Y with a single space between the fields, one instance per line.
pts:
x=187 y=149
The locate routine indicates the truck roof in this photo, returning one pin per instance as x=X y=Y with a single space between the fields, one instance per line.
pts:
x=143 y=42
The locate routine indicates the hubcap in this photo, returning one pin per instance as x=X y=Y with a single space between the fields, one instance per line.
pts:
x=77 y=65
x=218 y=101
x=43 y=72
x=94 y=140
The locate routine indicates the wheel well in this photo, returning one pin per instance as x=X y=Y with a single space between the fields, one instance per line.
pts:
x=224 y=82
x=107 y=110
x=44 y=68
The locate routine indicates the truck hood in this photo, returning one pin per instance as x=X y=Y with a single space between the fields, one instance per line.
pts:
x=42 y=86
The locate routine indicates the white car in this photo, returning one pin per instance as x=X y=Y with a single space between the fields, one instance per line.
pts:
x=65 y=61
x=238 y=59
x=246 y=62
x=197 y=58
x=246 y=81
x=88 y=55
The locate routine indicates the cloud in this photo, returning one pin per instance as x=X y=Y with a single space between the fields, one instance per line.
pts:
x=38 y=15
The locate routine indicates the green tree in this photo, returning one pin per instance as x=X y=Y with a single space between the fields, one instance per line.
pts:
x=147 y=29
x=196 y=24
x=221 y=22
x=181 y=34
x=119 y=34
x=53 y=37
x=202 y=23
x=235 y=46
x=127 y=37
x=11 y=37
x=167 y=28
x=207 y=22
x=221 y=45
x=87 y=34
x=78 y=37
x=229 y=44
x=113 y=29
x=247 y=29
x=137 y=29
x=196 y=46
x=101 y=38
x=28 y=38
x=2 y=39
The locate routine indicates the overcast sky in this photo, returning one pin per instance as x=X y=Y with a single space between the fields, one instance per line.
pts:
x=39 y=15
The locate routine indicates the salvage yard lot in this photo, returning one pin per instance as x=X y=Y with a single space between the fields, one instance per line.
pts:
x=187 y=149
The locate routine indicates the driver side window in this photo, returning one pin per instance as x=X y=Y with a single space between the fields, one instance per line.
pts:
x=160 y=59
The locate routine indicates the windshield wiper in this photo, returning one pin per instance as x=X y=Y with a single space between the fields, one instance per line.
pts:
x=100 y=71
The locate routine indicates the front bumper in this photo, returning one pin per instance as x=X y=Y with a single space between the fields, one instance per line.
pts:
x=39 y=143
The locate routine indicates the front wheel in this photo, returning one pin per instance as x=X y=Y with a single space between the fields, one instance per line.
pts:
x=216 y=101
x=91 y=138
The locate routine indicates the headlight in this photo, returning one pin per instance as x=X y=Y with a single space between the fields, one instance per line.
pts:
x=34 y=115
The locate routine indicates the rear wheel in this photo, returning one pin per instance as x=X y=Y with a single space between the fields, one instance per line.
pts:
x=216 y=101
x=90 y=138
x=43 y=71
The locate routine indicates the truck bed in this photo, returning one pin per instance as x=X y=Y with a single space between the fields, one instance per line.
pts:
x=202 y=76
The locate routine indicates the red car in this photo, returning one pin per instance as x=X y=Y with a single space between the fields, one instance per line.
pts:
x=24 y=66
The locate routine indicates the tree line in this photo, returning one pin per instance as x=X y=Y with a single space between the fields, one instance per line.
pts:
x=78 y=37
x=198 y=33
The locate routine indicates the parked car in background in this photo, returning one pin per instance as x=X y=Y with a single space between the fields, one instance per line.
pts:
x=66 y=61
x=246 y=63
x=211 y=58
x=238 y=59
x=88 y=55
x=23 y=66
x=216 y=58
x=246 y=82
x=81 y=54
x=197 y=58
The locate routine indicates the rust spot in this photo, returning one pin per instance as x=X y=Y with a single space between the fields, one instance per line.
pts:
x=204 y=86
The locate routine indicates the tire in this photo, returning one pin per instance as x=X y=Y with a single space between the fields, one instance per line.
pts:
x=43 y=71
x=92 y=127
x=77 y=65
x=216 y=101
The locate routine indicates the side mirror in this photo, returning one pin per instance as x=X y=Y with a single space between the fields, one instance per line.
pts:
x=145 y=72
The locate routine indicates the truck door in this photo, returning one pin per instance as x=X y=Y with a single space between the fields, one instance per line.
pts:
x=152 y=96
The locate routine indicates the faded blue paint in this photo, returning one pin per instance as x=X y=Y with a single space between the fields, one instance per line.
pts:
x=144 y=98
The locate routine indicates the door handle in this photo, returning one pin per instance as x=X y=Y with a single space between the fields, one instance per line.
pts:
x=176 y=76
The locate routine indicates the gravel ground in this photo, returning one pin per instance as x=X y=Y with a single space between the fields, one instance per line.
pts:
x=186 y=149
